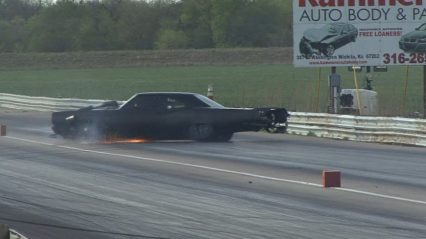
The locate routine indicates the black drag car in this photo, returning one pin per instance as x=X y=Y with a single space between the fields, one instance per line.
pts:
x=327 y=39
x=167 y=116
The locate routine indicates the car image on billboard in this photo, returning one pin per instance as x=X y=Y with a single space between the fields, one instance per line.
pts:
x=325 y=40
x=414 y=41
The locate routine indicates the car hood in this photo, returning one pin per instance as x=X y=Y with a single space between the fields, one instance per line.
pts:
x=316 y=35
x=415 y=34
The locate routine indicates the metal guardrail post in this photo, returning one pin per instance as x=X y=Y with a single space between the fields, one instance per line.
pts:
x=4 y=231
x=2 y=130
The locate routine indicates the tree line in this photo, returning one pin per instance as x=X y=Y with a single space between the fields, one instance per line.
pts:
x=78 y=25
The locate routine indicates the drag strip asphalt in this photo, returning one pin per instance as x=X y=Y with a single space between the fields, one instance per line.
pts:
x=256 y=186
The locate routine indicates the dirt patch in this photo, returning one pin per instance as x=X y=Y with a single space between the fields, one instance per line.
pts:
x=249 y=56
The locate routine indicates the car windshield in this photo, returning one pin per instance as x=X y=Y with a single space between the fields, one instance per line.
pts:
x=422 y=27
x=211 y=103
x=332 y=28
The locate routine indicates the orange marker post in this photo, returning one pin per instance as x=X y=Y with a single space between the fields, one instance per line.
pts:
x=210 y=91
x=3 y=130
x=331 y=179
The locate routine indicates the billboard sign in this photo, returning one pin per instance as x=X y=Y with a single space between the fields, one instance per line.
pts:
x=359 y=32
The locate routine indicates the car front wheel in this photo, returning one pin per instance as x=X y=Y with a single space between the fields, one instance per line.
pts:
x=305 y=49
x=223 y=137
x=90 y=131
x=329 y=50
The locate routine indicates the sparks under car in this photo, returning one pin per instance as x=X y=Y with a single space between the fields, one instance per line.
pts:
x=167 y=116
x=327 y=39
x=414 y=41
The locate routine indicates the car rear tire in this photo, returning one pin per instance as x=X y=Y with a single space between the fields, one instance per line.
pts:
x=201 y=132
x=223 y=137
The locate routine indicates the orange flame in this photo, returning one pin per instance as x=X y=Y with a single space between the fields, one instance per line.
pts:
x=119 y=140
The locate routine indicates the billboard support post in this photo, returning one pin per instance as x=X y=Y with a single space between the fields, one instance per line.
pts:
x=404 y=95
x=334 y=82
x=424 y=91
x=358 y=100
x=368 y=79
x=318 y=90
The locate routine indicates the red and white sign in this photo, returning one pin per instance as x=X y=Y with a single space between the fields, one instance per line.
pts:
x=359 y=32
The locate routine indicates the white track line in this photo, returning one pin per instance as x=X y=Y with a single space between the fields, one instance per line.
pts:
x=220 y=170
x=192 y=165
x=380 y=195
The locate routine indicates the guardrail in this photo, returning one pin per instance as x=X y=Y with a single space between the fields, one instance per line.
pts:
x=357 y=128
x=16 y=235
x=7 y=233
x=394 y=130
x=23 y=102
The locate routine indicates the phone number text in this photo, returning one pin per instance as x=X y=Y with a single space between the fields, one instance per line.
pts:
x=403 y=58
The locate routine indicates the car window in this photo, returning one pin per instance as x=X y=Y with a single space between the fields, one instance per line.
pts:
x=422 y=27
x=346 y=29
x=144 y=102
x=174 y=103
x=206 y=102
x=339 y=28
x=332 y=29
x=184 y=101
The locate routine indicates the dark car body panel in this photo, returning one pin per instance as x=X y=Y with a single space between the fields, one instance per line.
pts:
x=166 y=116
x=335 y=35
x=415 y=41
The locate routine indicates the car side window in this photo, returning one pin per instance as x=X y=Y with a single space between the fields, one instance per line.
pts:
x=146 y=102
x=174 y=103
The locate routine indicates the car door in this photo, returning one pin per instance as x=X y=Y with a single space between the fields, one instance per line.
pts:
x=176 y=117
x=340 y=37
x=345 y=36
x=142 y=116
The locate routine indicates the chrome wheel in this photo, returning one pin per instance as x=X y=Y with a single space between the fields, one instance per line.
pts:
x=329 y=51
x=200 y=132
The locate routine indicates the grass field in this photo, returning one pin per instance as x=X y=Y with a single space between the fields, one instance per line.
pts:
x=249 y=85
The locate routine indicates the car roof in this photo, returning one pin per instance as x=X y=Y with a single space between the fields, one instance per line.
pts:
x=166 y=93
x=339 y=23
